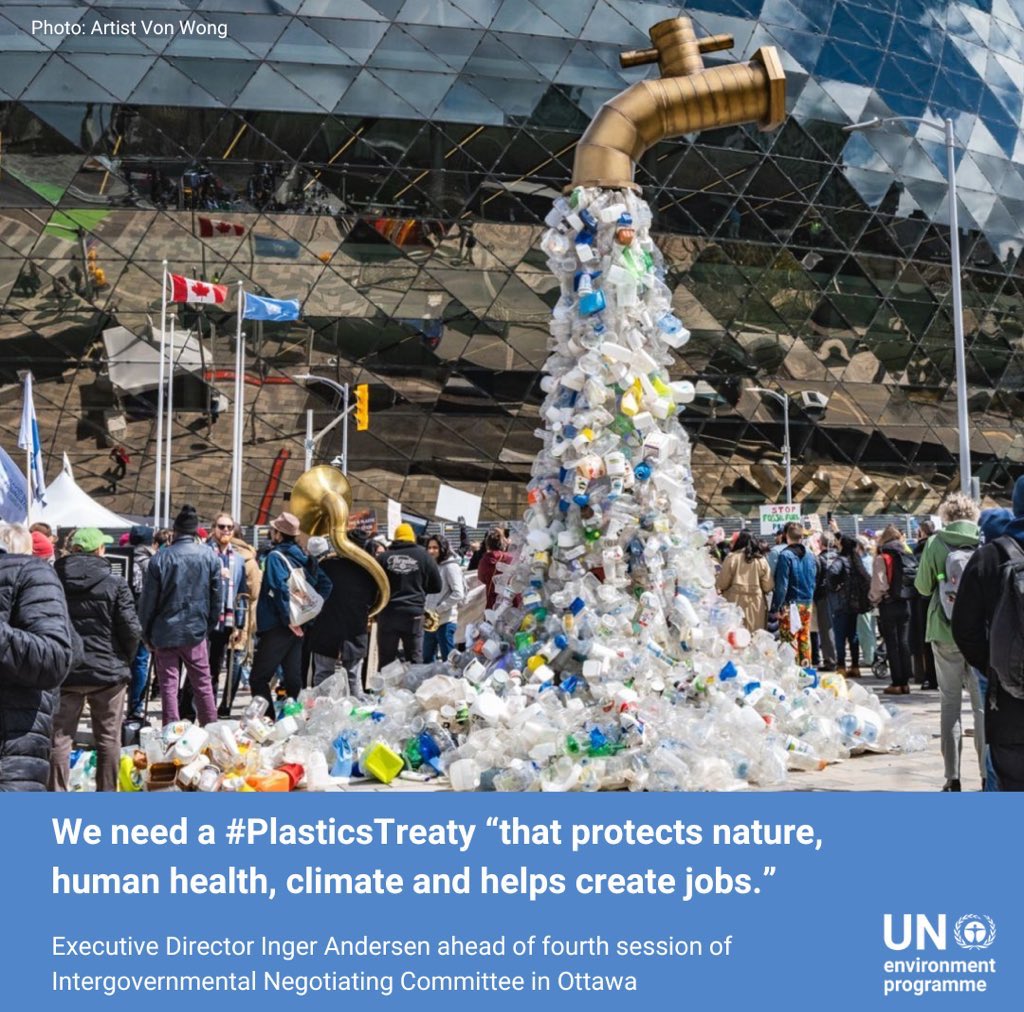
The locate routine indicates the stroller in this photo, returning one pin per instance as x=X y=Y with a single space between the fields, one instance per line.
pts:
x=880 y=665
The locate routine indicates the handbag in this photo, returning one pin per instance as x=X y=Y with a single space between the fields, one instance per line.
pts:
x=304 y=603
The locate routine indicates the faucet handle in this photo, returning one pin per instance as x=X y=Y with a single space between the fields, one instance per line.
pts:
x=715 y=43
x=638 y=57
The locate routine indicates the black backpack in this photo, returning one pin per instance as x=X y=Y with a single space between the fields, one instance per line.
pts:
x=858 y=584
x=1006 y=632
x=904 y=573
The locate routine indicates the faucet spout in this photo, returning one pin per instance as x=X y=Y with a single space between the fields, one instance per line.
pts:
x=686 y=98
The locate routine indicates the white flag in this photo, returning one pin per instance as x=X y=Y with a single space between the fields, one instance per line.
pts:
x=28 y=439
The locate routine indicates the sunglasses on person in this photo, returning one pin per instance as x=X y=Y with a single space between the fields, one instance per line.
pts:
x=225 y=527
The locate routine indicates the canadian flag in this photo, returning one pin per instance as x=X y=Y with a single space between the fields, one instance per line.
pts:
x=187 y=290
x=209 y=227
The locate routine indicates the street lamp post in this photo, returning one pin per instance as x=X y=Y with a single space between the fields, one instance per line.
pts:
x=783 y=399
x=310 y=441
x=958 y=308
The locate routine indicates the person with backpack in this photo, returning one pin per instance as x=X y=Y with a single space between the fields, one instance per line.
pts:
x=988 y=629
x=795 y=575
x=892 y=587
x=848 y=586
x=279 y=641
x=943 y=561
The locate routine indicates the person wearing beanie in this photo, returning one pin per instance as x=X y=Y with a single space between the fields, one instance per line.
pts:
x=992 y=523
x=412 y=575
x=279 y=643
x=103 y=614
x=979 y=596
x=179 y=608
x=42 y=547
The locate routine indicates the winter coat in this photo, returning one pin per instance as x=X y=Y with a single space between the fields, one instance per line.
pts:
x=488 y=570
x=976 y=601
x=932 y=566
x=346 y=612
x=844 y=600
x=746 y=583
x=272 y=611
x=180 y=602
x=36 y=650
x=102 y=611
x=795 y=575
x=452 y=593
x=412 y=574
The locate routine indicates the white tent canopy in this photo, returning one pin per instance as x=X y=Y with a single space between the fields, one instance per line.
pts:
x=67 y=505
x=134 y=362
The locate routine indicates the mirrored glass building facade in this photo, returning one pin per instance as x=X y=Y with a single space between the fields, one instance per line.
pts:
x=389 y=163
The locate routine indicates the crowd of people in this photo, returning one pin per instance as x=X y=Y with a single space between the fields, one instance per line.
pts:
x=200 y=606
x=926 y=612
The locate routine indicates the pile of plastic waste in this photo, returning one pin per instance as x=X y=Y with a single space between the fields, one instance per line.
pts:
x=609 y=660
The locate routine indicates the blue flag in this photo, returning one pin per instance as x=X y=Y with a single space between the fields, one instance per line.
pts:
x=268 y=246
x=259 y=308
x=28 y=439
x=13 y=491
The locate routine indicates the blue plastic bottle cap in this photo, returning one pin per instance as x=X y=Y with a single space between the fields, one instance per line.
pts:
x=577 y=605
x=727 y=672
x=581 y=500
x=561 y=641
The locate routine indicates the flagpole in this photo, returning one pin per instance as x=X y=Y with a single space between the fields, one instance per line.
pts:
x=160 y=400
x=28 y=488
x=236 y=441
x=170 y=428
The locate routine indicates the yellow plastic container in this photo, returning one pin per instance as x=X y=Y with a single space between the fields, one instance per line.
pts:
x=382 y=763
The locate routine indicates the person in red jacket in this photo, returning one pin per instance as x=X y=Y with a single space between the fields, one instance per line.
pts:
x=495 y=551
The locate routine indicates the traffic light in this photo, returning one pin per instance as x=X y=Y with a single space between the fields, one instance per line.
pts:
x=362 y=407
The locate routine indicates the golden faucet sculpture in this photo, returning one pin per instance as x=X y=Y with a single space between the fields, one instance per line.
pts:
x=686 y=98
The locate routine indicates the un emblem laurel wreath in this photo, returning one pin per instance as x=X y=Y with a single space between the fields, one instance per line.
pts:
x=989 y=938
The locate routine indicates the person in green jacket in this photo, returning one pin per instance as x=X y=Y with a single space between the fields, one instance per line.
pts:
x=959 y=515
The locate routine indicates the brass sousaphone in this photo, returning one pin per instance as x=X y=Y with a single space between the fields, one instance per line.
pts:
x=321 y=499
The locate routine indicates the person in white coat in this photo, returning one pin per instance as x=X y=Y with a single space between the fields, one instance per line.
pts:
x=444 y=604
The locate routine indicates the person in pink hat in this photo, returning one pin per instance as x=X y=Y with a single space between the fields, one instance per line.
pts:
x=279 y=642
x=42 y=547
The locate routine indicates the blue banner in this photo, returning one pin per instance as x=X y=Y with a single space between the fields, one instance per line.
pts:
x=13 y=491
x=412 y=901
x=268 y=246
x=257 y=307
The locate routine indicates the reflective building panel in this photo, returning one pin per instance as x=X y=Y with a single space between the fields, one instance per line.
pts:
x=390 y=164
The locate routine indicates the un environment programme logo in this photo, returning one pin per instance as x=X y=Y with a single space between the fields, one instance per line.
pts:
x=929 y=963
x=974 y=931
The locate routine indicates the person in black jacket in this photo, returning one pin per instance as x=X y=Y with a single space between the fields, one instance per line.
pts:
x=36 y=650
x=412 y=574
x=976 y=600
x=103 y=613
x=340 y=633
x=178 y=609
